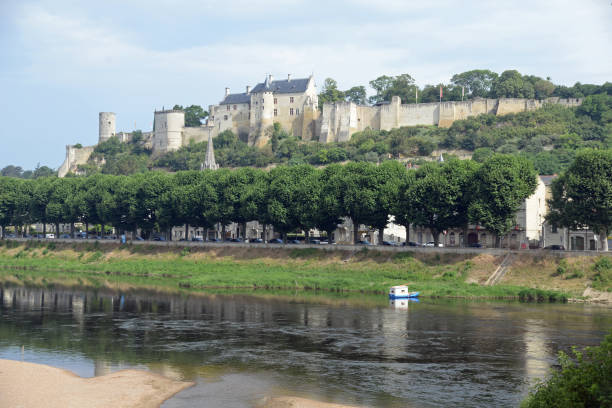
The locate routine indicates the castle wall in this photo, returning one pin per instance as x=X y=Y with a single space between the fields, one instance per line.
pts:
x=419 y=114
x=197 y=134
x=338 y=119
x=74 y=157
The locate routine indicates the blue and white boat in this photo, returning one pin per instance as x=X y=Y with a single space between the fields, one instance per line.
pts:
x=401 y=292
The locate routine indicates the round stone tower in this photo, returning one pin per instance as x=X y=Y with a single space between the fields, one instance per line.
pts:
x=106 y=126
x=168 y=130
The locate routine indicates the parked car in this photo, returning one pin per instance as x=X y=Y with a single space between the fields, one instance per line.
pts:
x=65 y=236
x=410 y=244
x=50 y=236
x=389 y=243
x=236 y=240
x=364 y=242
x=475 y=245
x=214 y=240
x=11 y=236
x=256 y=241
x=294 y=241
x=555 y=247
x=432 y=244
x=315 y=241
x=139 y=238
x=159 y=238
x=197 y=239
x=275 y=241
x=324 y=242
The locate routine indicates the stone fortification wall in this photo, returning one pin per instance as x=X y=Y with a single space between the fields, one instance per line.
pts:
x=197 y=134
x=340 y=120
x=74 y=157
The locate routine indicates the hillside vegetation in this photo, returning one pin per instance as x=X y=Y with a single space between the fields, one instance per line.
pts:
x=550 y=137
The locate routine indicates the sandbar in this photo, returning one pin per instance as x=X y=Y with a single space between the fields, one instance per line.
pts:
x=29 y=385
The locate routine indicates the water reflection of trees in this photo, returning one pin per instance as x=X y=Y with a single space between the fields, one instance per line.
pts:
x=373 y=348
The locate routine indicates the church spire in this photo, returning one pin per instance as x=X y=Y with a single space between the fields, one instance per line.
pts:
x=209 y=161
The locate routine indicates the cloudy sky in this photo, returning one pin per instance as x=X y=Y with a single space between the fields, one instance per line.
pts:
x=63 y=61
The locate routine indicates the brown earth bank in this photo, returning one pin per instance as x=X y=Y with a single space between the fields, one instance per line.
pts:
x=28 y=385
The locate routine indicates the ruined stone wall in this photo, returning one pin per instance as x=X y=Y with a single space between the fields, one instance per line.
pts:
x=74 y=157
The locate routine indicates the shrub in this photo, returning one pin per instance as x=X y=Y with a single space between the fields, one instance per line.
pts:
x=561 y=268
x=584 y=379
x=603 y=273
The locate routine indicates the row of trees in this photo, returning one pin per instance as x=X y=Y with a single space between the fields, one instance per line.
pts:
x=477 y=83
x=437 y=196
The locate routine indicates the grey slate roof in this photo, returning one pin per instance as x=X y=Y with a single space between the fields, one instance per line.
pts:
x=283 y=86
x=236 y=99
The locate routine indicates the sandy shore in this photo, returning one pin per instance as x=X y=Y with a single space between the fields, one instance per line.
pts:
x=27 y=385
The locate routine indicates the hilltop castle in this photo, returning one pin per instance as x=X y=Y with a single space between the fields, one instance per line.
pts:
x=293 y=103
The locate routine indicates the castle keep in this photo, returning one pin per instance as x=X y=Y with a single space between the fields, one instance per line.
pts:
x=293 y=103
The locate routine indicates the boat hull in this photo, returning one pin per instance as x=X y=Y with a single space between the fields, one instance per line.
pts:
x=406 y=296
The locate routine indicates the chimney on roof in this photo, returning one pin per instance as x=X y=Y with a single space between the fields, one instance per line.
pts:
x=248 y=89
x=288 y=77
x=226 y=91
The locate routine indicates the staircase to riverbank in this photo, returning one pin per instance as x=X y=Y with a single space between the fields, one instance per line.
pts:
x=500 y=271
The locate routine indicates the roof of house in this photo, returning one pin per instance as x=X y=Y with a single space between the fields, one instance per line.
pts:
x=283 y=86
x=236 y=98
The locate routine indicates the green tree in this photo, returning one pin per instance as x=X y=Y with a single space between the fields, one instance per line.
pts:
x=441 y=193
x=477 y=82
x=543 y=88
x=279 y=200
x=329 y=209
x=194 y=115
x=501 y=185
x=387 y=87
x=390 y=176
x=359 y=196
x=356 y=94
x=11 y=171
x=582 y=195
x=511 y=84
x=9 y=202
x=330 y=93
x=597 y=107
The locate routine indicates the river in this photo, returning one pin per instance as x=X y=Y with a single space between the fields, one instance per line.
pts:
x=239 y=348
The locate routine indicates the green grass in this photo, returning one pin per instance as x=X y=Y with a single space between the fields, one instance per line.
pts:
x=301 y=271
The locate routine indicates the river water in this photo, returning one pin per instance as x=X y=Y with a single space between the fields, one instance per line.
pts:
x=240 y=348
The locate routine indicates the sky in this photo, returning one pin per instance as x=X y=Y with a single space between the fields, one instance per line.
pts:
x=63 y=61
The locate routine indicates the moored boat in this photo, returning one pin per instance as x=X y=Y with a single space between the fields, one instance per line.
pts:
x=401 y=292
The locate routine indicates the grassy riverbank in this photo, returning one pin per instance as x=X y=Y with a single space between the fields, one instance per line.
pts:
x=367 y=271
